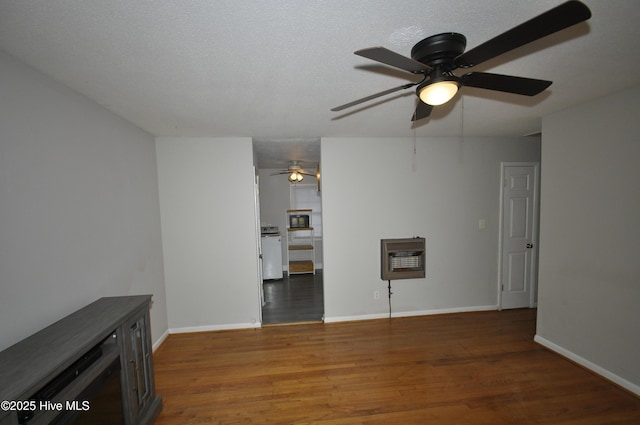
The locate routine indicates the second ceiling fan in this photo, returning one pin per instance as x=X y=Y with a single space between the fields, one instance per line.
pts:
x=436 y=57
x=296 y=172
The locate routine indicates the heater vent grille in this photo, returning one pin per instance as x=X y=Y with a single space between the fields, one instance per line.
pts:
x=402 y=258
x=411 y=261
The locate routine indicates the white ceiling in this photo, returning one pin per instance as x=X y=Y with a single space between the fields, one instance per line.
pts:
x=273 y=69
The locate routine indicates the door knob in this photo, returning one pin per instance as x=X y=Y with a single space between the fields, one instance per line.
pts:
x=529 y=245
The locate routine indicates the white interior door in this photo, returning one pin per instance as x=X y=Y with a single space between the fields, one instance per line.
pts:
x=519 y=218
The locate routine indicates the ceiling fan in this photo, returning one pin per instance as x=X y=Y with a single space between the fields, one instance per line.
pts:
x=296 y=172
x=436 y=57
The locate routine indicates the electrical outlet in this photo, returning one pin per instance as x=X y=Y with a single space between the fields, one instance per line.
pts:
x=376 y=295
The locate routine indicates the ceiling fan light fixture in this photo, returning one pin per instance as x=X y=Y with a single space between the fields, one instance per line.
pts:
x=438 y=92
x=295 y=177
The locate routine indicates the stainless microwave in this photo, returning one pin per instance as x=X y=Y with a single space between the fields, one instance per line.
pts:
x=298 y=221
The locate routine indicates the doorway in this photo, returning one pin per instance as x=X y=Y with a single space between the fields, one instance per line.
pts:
x=297 y=297
x=297 y=294
x=519 y=215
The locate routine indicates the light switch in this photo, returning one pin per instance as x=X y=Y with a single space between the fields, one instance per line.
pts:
x=482 y=224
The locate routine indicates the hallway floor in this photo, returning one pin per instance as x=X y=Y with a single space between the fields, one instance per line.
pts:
x=294 y=299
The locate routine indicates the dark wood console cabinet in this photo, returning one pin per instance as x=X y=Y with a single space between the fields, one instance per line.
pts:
x=117 y=327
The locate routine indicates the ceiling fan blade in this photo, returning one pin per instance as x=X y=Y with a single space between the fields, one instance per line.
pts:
x=554 y=20
x=280 y=172
x=386 y=56
x=422 y=111
x=505 y=83
x=373 y=96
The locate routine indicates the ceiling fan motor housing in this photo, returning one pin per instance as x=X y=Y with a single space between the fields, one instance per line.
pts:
x=439 y=51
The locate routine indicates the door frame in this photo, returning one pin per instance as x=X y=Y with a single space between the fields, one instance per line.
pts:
x=535 y=232
x=256 y=197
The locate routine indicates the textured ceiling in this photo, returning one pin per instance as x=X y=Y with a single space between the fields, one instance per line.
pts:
x=273 y=69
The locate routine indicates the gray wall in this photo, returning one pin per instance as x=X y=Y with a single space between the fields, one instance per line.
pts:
x=209 y=240
x=589 y=276
x=79 y=215
x=209 y=232
x=439 y=193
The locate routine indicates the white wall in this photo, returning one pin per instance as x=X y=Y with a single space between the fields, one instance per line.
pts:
x=209 y=236
x=274 y=201
x=79 y=215
x=207 y=209
x=589 y=293
x=440 y=194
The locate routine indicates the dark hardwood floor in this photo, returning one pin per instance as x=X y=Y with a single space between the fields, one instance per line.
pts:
x=294 y=299
x=479 y=368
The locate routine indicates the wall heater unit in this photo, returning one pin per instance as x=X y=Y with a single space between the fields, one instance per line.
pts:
x=402 y=258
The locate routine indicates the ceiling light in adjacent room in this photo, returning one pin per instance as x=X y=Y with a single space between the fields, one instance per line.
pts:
x=295 y=177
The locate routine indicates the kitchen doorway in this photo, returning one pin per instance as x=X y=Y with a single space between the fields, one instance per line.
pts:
x=288 y=297
x=292 y=289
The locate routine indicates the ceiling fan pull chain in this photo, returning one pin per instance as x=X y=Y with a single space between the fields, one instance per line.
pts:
x=462 y=118
x=415 y=151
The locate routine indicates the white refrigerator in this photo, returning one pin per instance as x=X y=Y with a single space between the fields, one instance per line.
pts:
x=271 y=257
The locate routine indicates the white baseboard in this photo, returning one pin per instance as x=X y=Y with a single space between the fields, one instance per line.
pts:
x=160 y=340
x=410 y=313
x=208 y=328
x=354 y=318
x=589 y=365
